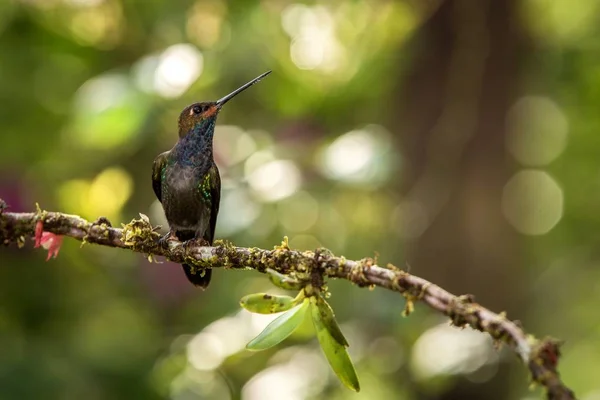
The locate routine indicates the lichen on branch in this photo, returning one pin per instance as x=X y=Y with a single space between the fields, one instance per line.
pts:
x=540 y=356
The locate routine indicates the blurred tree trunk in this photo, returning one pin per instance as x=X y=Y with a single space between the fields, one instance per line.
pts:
x=460 y=83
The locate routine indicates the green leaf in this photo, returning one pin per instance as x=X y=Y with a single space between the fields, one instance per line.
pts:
x=335 y=352
x=280 y=328
x=328 y=320
x=283 y=281
x=263 y=303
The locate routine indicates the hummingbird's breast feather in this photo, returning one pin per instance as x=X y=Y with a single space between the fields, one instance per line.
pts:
x=184 y=205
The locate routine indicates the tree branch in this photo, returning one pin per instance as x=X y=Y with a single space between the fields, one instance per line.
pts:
x=540 y=356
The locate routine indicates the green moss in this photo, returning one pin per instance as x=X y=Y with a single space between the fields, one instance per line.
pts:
x=41 y=215
x=324 y=252
x=285 y=244
x=139 y=233
x=225 y=244
x=409 y=306
x=392 y=267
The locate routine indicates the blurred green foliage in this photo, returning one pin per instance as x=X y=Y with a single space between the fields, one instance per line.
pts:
x=320 y=151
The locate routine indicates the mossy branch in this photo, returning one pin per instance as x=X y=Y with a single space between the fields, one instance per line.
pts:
x=540 y=356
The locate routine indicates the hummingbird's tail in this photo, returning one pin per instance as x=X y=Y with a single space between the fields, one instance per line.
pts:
x=199 y=277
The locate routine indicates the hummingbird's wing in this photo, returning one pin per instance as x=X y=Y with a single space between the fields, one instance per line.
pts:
x=160 y=162
x=215 y=197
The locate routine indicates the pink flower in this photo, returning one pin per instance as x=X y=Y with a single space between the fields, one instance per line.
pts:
x=39 y=227
x=47 y=240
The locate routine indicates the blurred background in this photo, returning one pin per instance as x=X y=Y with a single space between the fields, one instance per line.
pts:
x=455 y=138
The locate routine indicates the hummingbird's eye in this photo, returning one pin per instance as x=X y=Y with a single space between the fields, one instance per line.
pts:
x=197 y=110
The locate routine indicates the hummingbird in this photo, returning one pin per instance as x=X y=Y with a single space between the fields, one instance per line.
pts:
x=186 y=179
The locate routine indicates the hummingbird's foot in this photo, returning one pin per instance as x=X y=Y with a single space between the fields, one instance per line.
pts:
x=201 y=242
x=164 y=240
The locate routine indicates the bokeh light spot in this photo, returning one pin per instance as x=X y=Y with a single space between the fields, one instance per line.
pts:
x=275 y=180
x=206 y=351
x=197 y=384
x=593 y=395
x=97 y=23
x=228 y=335
x=101 y=93
x=256 y=160
x=298 y=212
x=209 y=348
x=233 y=144
x=84 y=3
x=445 y=350
x=303 y=376
x=109 y=191
x=532 y=202
x=349 y=154
x=143 y=72
x=108 y=112
x=305 y=242
x=206 y=21
x=73 y=195
x=314 y=44
x=561 y=19
x=104 y=195
x=291 y=18
x=537 y=131
x=358 y=156
x=387 y=354
x=237 y=211
x=179 y=66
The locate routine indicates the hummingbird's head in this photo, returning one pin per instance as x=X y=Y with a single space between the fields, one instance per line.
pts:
x=201 y=117
x=198 y=115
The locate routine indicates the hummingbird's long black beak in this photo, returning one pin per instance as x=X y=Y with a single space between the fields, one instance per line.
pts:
x=231 y=95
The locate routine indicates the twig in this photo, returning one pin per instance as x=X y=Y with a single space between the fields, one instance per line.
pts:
x=540 y=356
